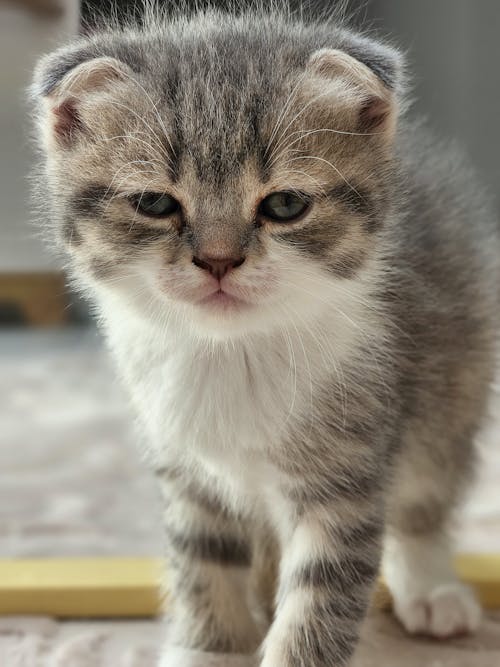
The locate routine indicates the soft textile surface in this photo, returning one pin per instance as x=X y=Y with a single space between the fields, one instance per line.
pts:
x=45 y=643
x=71 y=479
x=71 y=483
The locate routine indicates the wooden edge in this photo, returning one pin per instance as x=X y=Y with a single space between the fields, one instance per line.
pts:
x=81 y=587
x=130 y=587
x=38 y=298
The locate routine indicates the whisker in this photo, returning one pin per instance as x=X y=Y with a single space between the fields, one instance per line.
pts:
x=282 y=114
x=296 y=117
x=149 y=146
x=120 y=169
x=154 y=135
x=328 y=358
x=155 y=108
x=320 y=159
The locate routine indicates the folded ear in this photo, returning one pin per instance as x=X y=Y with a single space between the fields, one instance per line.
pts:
x=67 y=85
x=368 y=91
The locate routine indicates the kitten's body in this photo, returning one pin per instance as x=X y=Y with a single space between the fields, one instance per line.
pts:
x=347 y=396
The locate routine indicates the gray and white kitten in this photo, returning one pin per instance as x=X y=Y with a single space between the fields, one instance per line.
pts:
x=301 y=292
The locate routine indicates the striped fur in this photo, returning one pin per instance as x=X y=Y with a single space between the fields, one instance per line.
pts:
x=327 y=425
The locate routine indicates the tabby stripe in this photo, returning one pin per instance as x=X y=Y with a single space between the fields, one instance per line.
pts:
x=359 y=202
x=343 y=486
x=87 y=201
x=101 y=269
x=189 y=490
x=338 y=576
x=311 y=646
x=360 y=535
x=346 y=266
x=70 y=232
x=220 y=549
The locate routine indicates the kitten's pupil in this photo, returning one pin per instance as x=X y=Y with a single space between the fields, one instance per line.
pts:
x=283 y=206
x=155 y=203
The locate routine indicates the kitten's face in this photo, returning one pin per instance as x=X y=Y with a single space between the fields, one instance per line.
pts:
x=227 y=194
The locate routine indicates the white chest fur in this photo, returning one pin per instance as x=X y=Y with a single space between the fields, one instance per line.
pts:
x=197 y=398
x=223 y=406
x=220 y=406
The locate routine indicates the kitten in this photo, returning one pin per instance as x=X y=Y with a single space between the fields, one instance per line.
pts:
x=301 y=292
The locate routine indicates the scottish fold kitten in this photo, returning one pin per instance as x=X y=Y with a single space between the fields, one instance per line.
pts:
x=300 y=289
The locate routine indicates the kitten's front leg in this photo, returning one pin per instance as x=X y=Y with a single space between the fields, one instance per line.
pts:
x=209 y=560
x=328 y=569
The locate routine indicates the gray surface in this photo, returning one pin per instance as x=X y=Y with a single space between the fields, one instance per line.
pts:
x=453 y=54
x=24 y=36
x=71 y=479
x=26 y=642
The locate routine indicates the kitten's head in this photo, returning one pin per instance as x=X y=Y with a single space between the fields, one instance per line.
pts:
x=233 y=171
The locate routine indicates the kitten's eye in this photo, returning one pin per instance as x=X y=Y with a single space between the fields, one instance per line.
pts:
x=284 y=206
x=155 y=203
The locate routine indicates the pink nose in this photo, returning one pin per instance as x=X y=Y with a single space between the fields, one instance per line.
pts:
x=218 y=267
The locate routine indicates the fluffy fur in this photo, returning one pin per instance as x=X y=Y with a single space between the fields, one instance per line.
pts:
x=333 y=397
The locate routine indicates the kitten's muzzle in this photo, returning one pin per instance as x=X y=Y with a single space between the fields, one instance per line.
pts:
x=218 y=267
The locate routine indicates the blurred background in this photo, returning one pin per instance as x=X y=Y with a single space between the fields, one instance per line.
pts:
x=71 y=480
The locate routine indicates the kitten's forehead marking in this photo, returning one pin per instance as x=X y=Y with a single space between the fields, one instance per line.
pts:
x=221 y=110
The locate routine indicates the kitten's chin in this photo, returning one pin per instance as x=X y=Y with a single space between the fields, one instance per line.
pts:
x=225 y=317
x=221 y=302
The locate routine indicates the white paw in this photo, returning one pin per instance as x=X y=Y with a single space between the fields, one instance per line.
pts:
x=181 y=657
x=448 y=610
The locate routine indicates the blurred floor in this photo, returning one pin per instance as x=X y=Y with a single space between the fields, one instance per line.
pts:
x=71 y=479
x=46 y=643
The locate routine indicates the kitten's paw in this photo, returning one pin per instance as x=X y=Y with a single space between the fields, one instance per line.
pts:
x=447 y=611
x=181 y=657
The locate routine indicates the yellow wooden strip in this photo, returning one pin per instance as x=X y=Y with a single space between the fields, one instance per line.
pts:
x=81 y=587
x=129 y=587
x=40 y=298
x=482 y=572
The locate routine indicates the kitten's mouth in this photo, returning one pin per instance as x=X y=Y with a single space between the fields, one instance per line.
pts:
x=222 y=300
